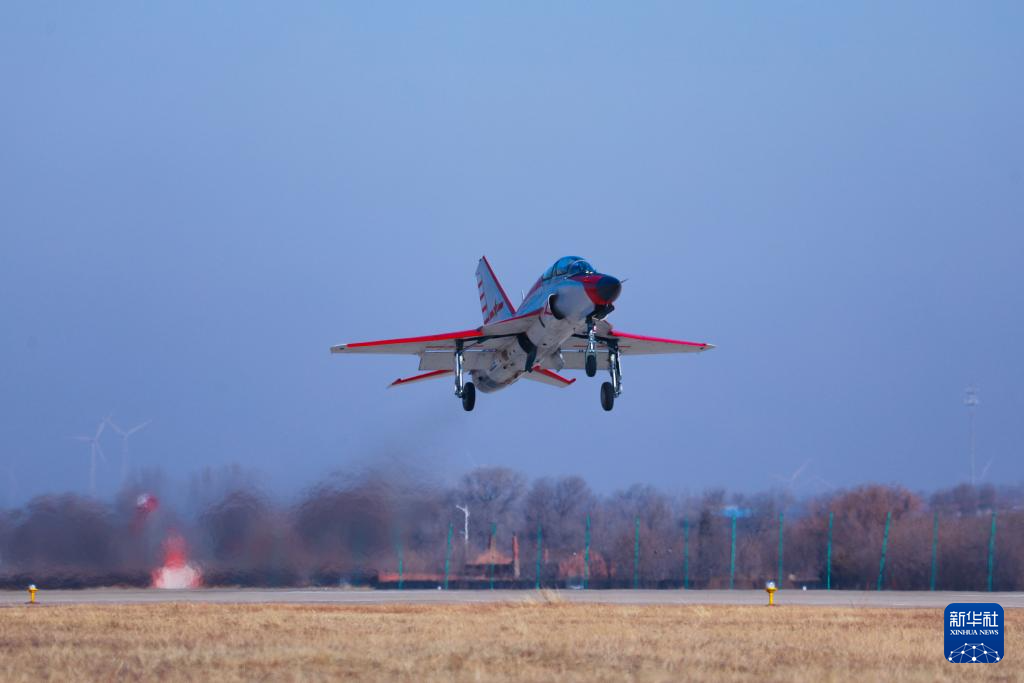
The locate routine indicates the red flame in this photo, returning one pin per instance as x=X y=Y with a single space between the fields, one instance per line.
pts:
x=177 y=571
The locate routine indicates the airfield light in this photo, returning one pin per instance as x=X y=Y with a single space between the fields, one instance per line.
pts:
x=770 y=589
x=32 y=593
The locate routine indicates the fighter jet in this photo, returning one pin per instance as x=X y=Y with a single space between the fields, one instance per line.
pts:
x=560 y=325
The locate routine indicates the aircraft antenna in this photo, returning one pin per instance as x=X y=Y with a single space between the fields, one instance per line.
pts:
x=971 y=401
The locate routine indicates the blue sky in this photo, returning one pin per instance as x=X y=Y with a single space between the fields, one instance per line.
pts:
x=199 y=200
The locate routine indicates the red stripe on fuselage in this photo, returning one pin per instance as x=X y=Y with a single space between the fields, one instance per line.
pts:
x=519 y=317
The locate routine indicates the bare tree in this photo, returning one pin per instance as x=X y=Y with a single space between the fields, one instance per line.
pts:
x=493 y=495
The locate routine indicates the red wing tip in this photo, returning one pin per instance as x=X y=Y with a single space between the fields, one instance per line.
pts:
x=554 y=375
x=416 y=378
x=643 y=337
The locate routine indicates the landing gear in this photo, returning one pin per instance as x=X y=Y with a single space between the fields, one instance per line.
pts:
x=590 y=362
x=531 y=351
x=464 y=390
x=607 y=396
x=468 y=397
x=615 y=368
x=611 y=390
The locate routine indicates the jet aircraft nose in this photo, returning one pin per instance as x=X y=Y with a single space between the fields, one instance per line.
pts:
x=605 y=290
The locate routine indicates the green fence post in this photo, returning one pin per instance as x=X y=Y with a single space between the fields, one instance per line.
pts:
x=686 y=554
x=586 y=555
x=398 y=548
x=828 y=562
x=494 y=542
x=540 y=543
x=778 y=584
x=448 y=556
x=885 y=545
x=935 y=550
x=636 y=555
x=732 y=555
x=991 y=551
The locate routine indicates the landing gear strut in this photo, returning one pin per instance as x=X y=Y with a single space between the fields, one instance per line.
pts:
x=590 y=359
x=464 y=390
x=612 y=390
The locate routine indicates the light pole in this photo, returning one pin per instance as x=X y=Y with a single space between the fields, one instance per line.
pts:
x=465 y=528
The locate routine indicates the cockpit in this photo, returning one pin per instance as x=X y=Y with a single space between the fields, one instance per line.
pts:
x=569 y=265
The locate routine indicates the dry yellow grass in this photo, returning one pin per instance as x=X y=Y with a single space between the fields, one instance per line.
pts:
x=542 y=641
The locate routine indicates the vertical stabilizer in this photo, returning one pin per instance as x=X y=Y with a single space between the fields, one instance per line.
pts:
x=494 y=302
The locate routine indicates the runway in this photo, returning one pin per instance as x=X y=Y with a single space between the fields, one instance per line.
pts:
x=332 y=596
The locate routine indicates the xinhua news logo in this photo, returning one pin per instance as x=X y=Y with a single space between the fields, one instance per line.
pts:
x=974 y=633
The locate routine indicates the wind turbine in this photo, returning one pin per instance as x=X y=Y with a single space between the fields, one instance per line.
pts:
x=790 y=481
x=971 y=401
x=984 y=470
x=11 y=485
x=94 y=450
x=124 y=434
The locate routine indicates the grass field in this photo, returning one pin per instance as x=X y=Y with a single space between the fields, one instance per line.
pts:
x=545 y=640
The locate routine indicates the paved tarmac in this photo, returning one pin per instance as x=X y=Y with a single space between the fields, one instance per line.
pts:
x=332 y=596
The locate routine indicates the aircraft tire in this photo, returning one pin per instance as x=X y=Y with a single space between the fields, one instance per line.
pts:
x=607 y=396
x=591 y=366
x=468 y=396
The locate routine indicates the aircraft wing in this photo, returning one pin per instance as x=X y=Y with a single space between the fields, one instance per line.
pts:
x=637 y=344
x=630 y=344
x=415 y=346
x=482 y=338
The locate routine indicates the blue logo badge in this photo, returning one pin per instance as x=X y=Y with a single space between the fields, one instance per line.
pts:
x=974 y=633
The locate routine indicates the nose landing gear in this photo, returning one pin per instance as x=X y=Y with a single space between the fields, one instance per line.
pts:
x=590 y=359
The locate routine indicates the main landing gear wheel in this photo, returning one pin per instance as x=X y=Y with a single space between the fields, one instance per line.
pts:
x=591 y=364
x=469 y=397
x=607 y=396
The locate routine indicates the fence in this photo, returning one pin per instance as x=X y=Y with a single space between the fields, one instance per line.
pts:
x=731 y=552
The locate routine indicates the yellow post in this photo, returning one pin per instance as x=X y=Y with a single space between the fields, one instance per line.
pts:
x=32 y=594
x=770 y=589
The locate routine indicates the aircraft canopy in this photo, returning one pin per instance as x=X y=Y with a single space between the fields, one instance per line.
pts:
x=569 y=265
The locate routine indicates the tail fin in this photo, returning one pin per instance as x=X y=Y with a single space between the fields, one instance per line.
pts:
x=494 y=302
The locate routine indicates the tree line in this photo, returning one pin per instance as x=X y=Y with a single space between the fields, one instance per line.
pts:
x=353 y=529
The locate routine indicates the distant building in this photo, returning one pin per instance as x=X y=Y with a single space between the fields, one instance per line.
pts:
x=492 y=562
